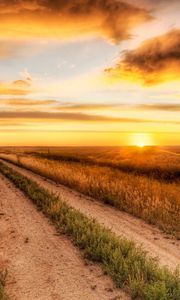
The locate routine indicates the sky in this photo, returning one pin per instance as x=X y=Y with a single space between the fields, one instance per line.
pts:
x=80 y=72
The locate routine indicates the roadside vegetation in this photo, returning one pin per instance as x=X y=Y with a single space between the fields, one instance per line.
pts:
x=154 y=201
x=128 y=265
x=3 y=275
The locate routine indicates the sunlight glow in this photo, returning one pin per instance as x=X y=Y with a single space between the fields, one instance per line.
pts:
x=141 y=145
x=141 y=140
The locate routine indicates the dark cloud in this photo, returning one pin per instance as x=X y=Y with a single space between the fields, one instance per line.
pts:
x=65 y=18
x=153 y=4
x=117 y=16
x=156 y=60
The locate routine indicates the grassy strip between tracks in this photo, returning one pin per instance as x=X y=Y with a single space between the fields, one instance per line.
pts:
x=128 y=265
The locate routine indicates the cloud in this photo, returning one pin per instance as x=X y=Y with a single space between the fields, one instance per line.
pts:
x=89 y=106
x=26 y=102
x=14 y=88
x=166 y=107
x=79 y=109
x=29 y=115
x=113 y=19
x=7 y=123
x=156 y=60
x=64 y=116
x=17 y=87
x=26 y=75
x=12 y=48
x=21 y=83
x=153 y=4
x=120 y=107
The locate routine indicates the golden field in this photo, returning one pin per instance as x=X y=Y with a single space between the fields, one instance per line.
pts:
x=98 y=174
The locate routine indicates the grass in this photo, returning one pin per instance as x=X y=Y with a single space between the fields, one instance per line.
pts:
x=162 y=163
x=3 y=275
x=128 y=265
x=153 y=201
x=139 y=164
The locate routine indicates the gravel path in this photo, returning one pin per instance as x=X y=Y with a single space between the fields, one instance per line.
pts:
x=42 y=264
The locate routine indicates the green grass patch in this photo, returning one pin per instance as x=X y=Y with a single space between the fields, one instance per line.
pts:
x=3 y=275
x=127 y=264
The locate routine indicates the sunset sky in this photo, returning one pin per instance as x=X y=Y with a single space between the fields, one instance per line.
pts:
x=80 y=72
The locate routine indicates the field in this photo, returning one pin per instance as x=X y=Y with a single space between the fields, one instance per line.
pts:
x=142 y=182
x=137 y=185
x=157 y=162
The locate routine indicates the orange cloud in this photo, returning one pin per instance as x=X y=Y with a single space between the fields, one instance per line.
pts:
x=156 y=60
x=160 y=106
x=26 y=102
x=22 y=83
x=18 y=87
x=86 y=107
x=9 y=48
x=79 y=109
x=123 y=106
x=153 y=4
x=63 y=116
x=112 y=19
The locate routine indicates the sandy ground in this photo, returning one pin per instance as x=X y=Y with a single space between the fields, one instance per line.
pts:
x=152 y=239
x=42 y=264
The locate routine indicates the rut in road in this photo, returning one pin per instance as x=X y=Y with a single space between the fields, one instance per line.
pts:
x=152 y=239
x=42 y=264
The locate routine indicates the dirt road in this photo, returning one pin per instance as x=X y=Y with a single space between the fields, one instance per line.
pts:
x=41 y=264
x=153 y=240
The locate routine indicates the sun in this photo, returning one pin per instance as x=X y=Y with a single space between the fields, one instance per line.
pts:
x=141 y=145
x=141 y=140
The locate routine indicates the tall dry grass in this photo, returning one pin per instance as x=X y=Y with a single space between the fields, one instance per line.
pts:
x=155 y=162
x=156 y=202
x=162 y=163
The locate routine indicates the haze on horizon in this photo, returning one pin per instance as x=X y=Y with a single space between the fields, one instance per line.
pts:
x=79 y=72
